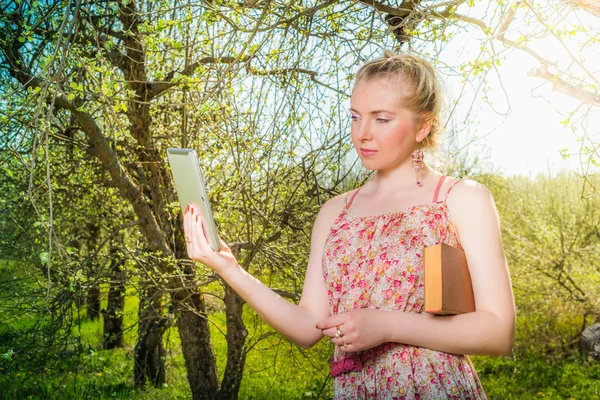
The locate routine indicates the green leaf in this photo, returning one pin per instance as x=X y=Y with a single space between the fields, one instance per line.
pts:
x=44 y=257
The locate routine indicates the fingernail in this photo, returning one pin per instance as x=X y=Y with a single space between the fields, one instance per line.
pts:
x=196 y=218
x=192 y=211
x=187 y=208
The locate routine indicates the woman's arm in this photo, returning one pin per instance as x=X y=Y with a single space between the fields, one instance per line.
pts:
x=487 y=331
x=296 y=322
x=490 y=329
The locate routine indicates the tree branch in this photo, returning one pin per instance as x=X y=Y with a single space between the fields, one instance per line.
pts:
x=308 y=12
x=283 y=71
x=510 y=17
x=397 y=18
x=448 y=13
x=405 y=9
x=543 y=22
x=561 y=85
x=591 y=6
x=567 y=88
x=156 y=88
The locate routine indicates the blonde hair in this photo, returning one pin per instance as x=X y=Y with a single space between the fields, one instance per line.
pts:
x=424 y=95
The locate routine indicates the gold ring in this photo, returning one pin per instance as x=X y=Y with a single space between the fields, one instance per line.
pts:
x=339 y=332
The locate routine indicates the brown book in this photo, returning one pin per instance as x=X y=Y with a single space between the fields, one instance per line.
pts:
x=448 y=288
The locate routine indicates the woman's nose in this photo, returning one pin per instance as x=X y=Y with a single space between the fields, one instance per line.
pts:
x=363 y=131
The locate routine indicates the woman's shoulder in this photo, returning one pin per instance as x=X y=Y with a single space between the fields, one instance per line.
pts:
x=332 y=208
x=329 y=212
x=467 y=197
x=466 y=189
x=336 y=204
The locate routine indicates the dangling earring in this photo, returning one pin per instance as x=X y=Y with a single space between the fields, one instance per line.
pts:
x=366 y=173
x=417 y=161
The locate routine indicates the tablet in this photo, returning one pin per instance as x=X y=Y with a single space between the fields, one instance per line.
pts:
x=190 y=187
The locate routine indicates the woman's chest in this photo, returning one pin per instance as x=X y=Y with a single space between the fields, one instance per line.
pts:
x=377 y=262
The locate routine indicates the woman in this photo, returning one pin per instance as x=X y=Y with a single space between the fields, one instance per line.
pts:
x=364 y=281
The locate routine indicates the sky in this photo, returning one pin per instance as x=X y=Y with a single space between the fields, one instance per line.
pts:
x=528 y=140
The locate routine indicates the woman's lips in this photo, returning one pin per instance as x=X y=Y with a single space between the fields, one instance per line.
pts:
x=366 y=152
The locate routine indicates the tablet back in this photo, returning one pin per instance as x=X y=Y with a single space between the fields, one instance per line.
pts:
x=192 y=189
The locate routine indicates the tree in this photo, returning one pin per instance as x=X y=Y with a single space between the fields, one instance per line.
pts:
x=551 y=239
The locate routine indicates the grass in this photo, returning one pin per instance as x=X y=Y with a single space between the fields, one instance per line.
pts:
x=536 y=376
x=275 y=369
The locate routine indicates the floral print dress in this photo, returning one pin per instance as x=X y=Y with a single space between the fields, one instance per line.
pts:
x=377 y=262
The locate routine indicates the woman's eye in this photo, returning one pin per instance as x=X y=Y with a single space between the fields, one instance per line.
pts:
x=354 y=117
x=383 y=120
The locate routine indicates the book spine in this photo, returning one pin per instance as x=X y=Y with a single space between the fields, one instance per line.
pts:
x=433 y=278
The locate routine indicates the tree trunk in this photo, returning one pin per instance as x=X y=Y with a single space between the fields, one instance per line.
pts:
x=590 y=341
x=236 y=339
x=149 y=351
x=113 y=315
x=93 y=302
x=196 y=345
x=93 y=269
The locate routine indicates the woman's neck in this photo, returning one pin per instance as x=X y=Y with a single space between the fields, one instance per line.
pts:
x=390 y=182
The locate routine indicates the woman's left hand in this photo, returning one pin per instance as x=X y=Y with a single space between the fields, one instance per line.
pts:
x=358 y=330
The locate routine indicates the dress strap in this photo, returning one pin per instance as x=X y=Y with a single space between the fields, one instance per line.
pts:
x=437 y=189
x=448 y=192
x=349 y=203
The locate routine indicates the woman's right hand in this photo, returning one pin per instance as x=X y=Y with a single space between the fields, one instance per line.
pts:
x=198 y=248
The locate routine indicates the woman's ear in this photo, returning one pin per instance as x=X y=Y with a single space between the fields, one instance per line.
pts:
x=424 y=127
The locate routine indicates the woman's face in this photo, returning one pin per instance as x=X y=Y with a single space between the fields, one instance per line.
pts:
x=384 y=133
